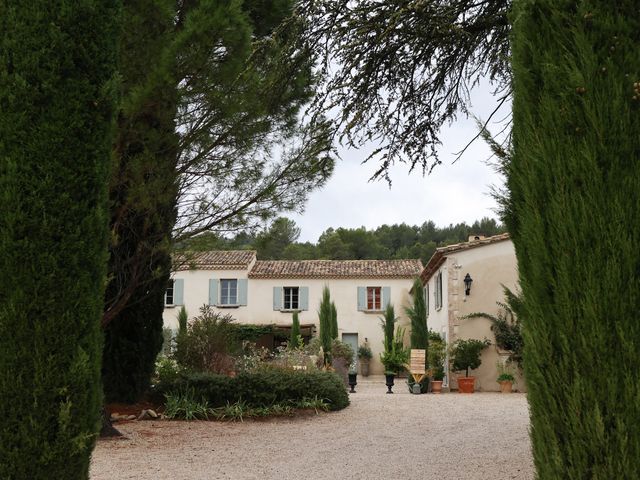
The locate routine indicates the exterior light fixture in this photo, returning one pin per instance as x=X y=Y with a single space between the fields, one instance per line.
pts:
x=467 y=284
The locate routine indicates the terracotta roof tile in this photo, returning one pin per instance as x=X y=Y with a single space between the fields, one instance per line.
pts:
x=438 y=257
x=336 y=269
x=214 y=260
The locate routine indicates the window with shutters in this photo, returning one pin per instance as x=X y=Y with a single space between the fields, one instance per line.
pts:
x=437 y=294
x=228 y=291
x=374 y=298
x=291 y=298
x=168 y=295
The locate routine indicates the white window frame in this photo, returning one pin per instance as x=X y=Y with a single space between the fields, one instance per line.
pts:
x=227 y=295
x=167 y=296
x=378 y=298
x=290 y=299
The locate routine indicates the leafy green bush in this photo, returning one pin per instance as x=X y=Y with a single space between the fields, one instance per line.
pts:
x=208 y=343
x=465 y=354
x=262 y=389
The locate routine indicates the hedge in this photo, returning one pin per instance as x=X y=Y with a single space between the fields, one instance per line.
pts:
x=263 y=388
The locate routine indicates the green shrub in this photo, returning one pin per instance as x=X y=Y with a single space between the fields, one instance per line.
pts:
x=465 y=354
x=295 y=341
x=342 y=350
x=364 y=352
x=208 y=344
x=263 y=388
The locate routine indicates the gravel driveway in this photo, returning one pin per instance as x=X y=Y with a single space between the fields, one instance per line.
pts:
x=401 y=436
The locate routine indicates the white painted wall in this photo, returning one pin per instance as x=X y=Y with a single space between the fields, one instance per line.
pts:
x=259 y=309
x=490 y=266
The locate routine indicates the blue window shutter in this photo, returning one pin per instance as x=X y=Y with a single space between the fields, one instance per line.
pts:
x=304 y=298
x=178 y=291
x=362 y=298
x=242 y=291
x=277 y=298
x=386 y=296
x=213 y=291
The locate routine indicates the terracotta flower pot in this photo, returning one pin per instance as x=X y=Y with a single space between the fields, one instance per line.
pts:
x=466 y=384
x=436 y=386
x=506 y=386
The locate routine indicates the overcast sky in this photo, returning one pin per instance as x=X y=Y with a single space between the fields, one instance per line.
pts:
x=452 y=193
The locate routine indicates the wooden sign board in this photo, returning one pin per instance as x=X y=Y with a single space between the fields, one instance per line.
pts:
x=418 y=361
x=417 y=365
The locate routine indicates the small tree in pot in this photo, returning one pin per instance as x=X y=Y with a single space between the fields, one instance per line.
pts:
x=395 y=356
x=465 y=356
x=435 y=358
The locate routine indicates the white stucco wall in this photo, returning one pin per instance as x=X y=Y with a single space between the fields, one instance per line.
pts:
x=490 y=266
x=259 y=308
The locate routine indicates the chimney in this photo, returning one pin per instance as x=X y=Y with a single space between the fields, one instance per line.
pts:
x=475 y=238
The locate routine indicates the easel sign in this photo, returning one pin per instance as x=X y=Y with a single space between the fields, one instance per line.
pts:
x=417 y=365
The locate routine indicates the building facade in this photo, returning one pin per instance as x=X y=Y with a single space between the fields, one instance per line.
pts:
x=268 y=292
x=490 y=263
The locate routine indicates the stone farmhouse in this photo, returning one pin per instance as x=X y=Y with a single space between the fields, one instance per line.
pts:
x=269 y=291
x=489 y=263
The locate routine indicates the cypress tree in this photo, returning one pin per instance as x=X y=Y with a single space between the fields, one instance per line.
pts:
x=574 y=214
x=334 y=321
x=57 y=97
x=294 y=342
x=417 y=313
x=326 y=329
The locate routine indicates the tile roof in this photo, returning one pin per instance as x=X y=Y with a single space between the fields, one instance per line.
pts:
x=336 y=269
x=214 y=260
x=440 y=254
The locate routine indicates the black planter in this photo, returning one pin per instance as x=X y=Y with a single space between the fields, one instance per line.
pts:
x=353 y=377
x=389 y=381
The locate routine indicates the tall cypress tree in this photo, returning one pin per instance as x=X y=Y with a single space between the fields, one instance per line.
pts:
x=57 y=65
x=417 y=313
x=326 y=324
x=334 y=321
x=574 y=213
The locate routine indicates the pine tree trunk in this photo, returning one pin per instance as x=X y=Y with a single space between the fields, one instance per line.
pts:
x=57 y=98
x=574 y=214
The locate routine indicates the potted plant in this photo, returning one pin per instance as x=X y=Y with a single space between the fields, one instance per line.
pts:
x=465 y=356
x=353 y=377
x=364 y=355
x=395 y=356
x=506 y=379
x=438 y=377
x=435 y=357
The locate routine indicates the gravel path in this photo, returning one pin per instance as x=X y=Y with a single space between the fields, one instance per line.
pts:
x=401 y=436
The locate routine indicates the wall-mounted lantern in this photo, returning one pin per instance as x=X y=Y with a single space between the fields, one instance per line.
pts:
x=467 y=284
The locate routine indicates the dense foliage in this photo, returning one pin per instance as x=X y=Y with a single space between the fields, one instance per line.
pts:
x=417 y=313
x=277 y=242
x=210 y=91
x=465 y=354
x=208 y=343
x=295 y=341
x=395 y=356
x=57 y=98
x=325 y=316
x=573 y=211
x=263 y=388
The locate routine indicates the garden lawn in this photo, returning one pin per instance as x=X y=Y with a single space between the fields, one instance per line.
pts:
x=453 y=436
